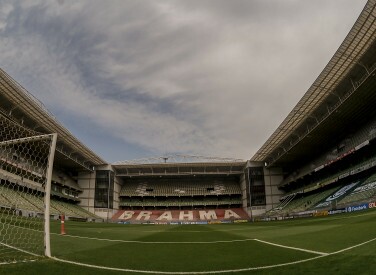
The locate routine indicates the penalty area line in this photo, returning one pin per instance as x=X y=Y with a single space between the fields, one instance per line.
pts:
x=214 y=271
x=293 y=248
x=354 y=246
x=142 y=242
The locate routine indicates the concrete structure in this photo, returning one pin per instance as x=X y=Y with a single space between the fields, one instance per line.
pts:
x=338 y=106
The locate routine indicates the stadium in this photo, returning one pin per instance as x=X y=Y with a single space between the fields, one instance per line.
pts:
x=303 y=203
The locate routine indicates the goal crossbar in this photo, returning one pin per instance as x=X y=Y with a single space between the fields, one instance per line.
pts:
x=25 y=139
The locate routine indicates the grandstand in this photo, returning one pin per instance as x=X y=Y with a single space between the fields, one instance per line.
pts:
x=336 y=114
x=328 y=140
x=320 y=159
x=23 y=116
x=180 y=185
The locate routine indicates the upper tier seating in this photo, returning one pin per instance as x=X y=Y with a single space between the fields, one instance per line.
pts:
x=182 y=188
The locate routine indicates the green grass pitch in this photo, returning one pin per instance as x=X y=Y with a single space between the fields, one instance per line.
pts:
x=338 y=244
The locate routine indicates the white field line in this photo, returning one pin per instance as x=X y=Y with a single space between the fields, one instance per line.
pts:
x=207 y=242
x=182 y=272
x=19 y=249
x=16 y=262
x=351 y=247
x=293 y=248
x=142 y=242
x=216 y=271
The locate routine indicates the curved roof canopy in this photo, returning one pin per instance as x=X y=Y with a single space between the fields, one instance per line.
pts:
x=179 y=165
x=19 y=104
x=342 y=87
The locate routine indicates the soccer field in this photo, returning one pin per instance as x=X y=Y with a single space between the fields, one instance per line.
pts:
x=342 y=244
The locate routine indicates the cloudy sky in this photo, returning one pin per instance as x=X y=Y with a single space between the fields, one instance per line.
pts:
x=140 y=78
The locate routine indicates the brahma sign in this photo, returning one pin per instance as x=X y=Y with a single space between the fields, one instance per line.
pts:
x=176 y=215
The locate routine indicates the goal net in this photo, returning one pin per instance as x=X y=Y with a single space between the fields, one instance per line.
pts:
x=26 y=160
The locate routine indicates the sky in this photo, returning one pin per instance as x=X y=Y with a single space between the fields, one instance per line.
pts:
x=140 y=78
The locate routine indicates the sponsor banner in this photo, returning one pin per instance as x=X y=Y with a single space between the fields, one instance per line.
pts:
x=337 y=211
x=310 y=212
x=189 y=223
x=182 y=216
x=226 y=221
x=357 y=207
x=302 y=215
x=201 y=222
x=124 y=222
x=321 y=213
x=240 y=221
x=214 y=222
x=372 y=205
x=319 y=168
x=340 y=157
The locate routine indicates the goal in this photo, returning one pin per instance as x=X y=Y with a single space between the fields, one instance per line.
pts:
x=26 y=161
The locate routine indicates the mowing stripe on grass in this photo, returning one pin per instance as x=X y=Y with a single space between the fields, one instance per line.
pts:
x=153 y=242
x=212 y=272
x=294 y=248
x=184 y=272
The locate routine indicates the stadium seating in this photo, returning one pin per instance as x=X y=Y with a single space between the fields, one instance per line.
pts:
x=22 y=200
x=69 y=209
x=16 y=200
x=187 y=193
x=181 y=201
x=343 y=147
x=182 y=188
x=302 y=203
x=362 y=193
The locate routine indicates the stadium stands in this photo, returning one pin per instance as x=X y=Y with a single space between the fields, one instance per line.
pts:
x=362 y=193
x=180 y=192
x=179 y=188
x=302 y=202
x=14 y=196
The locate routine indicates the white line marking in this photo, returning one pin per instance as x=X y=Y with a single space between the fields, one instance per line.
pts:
x=202 y=242
x=293 y=248
x=351 y=247
x=182 y=272
x=19 y=249
x=212 y=272
x=143 y=242
x=16 y=262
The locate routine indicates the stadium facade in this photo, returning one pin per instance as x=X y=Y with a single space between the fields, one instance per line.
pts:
x=325 y=145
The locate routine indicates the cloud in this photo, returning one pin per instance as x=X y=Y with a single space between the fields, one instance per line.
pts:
x=205 y=77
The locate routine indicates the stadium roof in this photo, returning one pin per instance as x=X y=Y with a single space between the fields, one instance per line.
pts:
x=179 y=165
x=177 y=158
x=341 y=95
x=18 y=103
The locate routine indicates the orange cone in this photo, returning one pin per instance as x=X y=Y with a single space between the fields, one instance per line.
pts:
x=62 y=229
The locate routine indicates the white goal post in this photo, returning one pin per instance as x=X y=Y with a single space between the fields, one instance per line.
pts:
x=26 y=164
